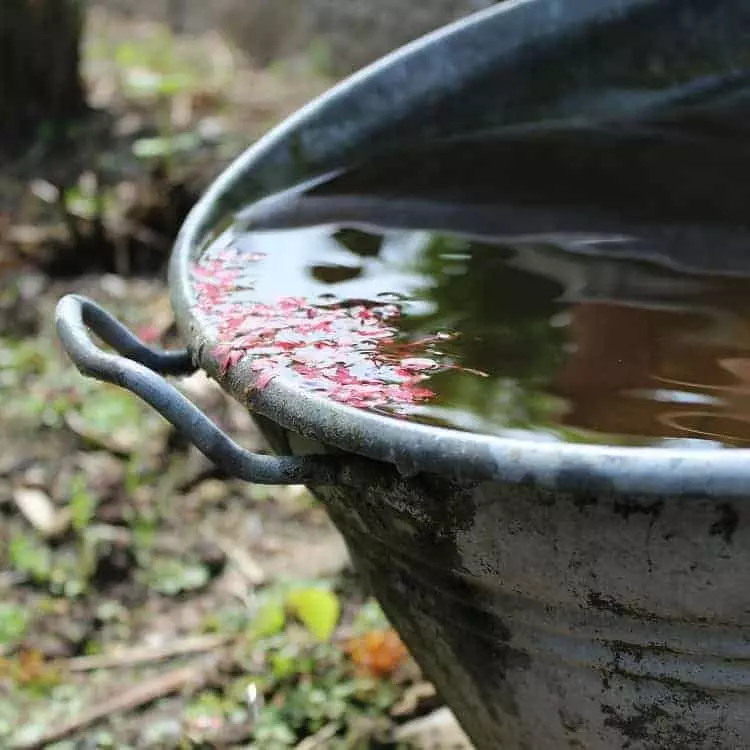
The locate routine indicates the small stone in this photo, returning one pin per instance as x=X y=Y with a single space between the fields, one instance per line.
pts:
x=436 y=731
x=39 y=510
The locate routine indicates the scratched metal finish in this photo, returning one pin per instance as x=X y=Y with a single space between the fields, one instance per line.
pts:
x=561 y=596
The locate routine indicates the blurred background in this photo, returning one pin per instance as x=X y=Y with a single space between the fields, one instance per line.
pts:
x=146 y=601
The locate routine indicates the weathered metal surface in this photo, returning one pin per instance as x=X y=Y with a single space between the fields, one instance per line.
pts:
x=552 y=619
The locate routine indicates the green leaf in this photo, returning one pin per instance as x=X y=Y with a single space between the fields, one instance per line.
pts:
x=283 y=665
x=171 y=577
x=318 y=609
x=14 y=621
x=269 y=621
x=30 y=556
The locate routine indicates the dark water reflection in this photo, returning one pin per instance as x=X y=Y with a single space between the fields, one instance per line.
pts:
x=598 y=273
x=574 y=347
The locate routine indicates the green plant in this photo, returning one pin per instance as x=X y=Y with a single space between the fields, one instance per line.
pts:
x=14 y=621
x=27 y=554
x=66 y=571
x=314 y=687
x=170 y=577
x=316 y=607
x=82 y=503
x=311 y=683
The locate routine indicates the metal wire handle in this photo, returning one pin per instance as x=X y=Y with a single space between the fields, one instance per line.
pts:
x=138 y=368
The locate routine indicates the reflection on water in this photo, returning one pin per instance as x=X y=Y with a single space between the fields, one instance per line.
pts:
x=536 y=342
x=556 y=281
x=661 y=372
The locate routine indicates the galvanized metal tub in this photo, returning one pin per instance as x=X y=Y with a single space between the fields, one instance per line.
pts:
x=558 y=595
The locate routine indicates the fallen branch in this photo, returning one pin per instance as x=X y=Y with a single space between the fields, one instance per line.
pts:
x=145 y=654
x=192 y=676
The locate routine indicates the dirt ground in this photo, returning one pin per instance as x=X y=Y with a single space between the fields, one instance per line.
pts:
x=147 y=601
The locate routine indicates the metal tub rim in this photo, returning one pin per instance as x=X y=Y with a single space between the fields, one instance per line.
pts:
x=411 y=447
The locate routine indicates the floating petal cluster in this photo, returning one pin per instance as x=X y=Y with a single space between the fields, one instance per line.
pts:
x=350 y=351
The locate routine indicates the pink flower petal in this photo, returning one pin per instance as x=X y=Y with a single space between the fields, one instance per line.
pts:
x=349 y=353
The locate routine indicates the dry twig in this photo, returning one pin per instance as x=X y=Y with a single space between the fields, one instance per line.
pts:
x=128 y=657
x=192 y=676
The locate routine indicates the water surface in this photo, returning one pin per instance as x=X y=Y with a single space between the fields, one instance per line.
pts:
x=539 y=290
